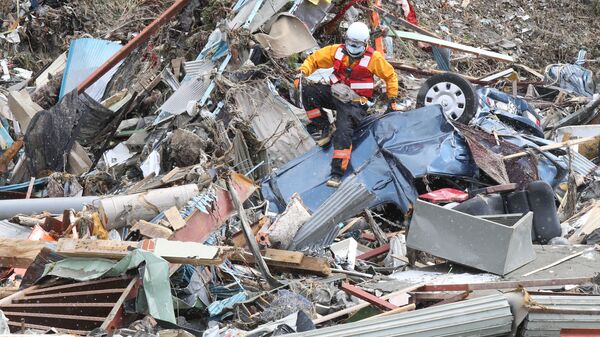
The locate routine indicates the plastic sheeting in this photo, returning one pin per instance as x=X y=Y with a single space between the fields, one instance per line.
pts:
x=85 y=56
x=571 y=77
x=52 y=133
x=156 y=297
x=389 y=152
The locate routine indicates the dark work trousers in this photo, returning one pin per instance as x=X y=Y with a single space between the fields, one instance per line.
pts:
x=348 y=117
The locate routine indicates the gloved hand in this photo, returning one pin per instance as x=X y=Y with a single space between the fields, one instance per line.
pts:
x=297 y=80
x=392 y=105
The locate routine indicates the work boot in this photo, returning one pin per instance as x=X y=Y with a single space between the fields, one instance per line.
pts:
x=322 y=137
x=334 y=181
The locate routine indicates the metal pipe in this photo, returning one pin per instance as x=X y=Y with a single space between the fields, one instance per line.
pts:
x=142 y=37
x=12 y=207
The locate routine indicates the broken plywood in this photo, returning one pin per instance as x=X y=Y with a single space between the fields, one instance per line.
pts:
x=309 y=265
x=151 y=230
x=174 y=218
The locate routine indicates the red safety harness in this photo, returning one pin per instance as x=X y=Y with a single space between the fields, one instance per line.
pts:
x=359 y=78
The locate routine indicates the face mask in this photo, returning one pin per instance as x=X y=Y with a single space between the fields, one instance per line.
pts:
x=355 y=49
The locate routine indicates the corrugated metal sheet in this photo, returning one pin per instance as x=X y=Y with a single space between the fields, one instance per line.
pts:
x=191 y=90
x=581 y=164
x=320 y=231
x=550 y=324
x=198 y=68
x=484 y=316
x=273 y=121
x=243 y=14
x=268 y=9
x=85 y=56
x=11 y=230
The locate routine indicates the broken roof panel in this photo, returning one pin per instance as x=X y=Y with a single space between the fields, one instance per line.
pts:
x=85 y=56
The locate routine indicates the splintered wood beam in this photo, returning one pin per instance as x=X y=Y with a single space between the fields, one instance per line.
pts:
x=505 y=284
x=374 y=252
x=452 y=45
x=172 y=251
x=309 y=264
x=363 y=295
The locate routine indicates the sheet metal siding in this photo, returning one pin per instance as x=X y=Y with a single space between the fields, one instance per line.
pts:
x=550 y=324
x=484 y=316
x=84 y=57
x=198 y=68
x=581 y=164
x=189 y=91
x=351 y=198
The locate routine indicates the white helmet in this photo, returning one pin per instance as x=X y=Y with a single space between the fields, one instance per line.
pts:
x=357 y=38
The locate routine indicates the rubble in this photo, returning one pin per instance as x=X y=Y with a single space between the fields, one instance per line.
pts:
x=160 y=176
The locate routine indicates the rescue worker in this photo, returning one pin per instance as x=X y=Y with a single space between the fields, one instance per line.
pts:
x=355 y=63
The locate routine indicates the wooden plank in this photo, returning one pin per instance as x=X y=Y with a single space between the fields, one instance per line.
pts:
x=19 y=253
x=506 y=284
x=284 y=255
x=309 y=265
x=405 y=23
x=566 y=258
x=555 y=146
x=460 y=297
x=74 y=286
x=453 y=45
x=591 y=224
x=47 y=328
x=172 y=251
x=151 y=230
x=76 y=293
x=404 y=308
x=579 y=332
x=534 y=72
x=429 y=72
x=174 y=218
x=115 y=316
x=167 y=177
x=497 y=75
x=239 y=240
x=363 y=295
x=60 y=317
x=374 y=252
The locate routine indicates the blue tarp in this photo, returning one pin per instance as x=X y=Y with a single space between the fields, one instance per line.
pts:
x=84 y=57
x=389 y=152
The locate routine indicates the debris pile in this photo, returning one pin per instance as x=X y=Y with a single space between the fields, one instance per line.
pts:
x=164 y=170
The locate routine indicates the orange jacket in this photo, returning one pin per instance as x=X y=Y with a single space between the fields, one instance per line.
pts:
x=325 y=57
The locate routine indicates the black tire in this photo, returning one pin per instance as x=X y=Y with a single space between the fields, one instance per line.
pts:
x=466 y=89
x=545 y=218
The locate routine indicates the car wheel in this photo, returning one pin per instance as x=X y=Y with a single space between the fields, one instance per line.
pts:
x=455 y=94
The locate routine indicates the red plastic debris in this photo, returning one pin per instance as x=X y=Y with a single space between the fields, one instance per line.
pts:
x=445 y=195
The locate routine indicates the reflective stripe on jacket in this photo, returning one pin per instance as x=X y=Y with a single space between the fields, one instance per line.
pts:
x=378 y=66
x=359 y=78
